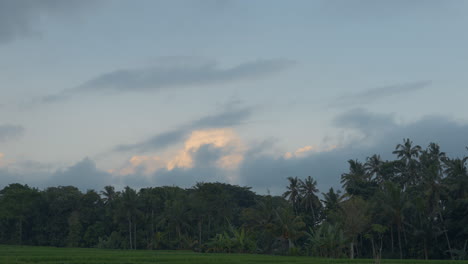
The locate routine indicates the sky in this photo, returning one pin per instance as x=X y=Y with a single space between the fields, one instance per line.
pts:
x=151 y=93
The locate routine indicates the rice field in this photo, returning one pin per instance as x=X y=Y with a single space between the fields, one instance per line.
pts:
x=50 y=255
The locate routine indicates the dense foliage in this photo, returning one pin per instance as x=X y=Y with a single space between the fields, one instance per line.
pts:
x=415 y=206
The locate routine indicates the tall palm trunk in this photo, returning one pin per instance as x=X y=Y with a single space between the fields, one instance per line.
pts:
x=313 y=213
x=152 y=229
x=134 y=235
x=391 y=235
x=399 y=242
x=20 y=230
x=130 y=231
x=426 y=257
x=200 y=234
x=446 y=235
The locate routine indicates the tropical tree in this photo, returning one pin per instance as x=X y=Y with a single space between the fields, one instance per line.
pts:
x=373 y=167
x=129 y=207
x=332 y=205
x=393 y=202
x=310 y=201
x=357 y=181
x=408 y=154
x=355 y=219
x=293 y=193
x=289 y=226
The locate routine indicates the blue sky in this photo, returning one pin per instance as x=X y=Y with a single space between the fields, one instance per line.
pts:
x=248 y=92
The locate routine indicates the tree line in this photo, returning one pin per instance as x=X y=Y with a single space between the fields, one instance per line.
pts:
x=415 y=206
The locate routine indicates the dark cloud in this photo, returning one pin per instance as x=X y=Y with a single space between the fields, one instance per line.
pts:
x=172 y=72
x=227 y=118
x=83 y=175
x=204 y=169
x=385 y=132
x=159 y=141
x=364 y=121
x=8 y=177
x=375 y=94
x=8 y=132
x=20 y=18
x=270 y=173
x=178 y=177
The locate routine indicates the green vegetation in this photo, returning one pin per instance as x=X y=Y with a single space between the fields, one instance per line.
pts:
x=49 y=255
x=414 y=207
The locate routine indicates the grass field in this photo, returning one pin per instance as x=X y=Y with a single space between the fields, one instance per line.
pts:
x=24 y=254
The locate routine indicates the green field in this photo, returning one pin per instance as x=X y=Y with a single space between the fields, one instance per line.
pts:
x=24 y=254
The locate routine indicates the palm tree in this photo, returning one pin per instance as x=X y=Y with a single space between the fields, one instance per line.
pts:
x=406 y=151
x=393 y=201
x=457 y=177
x=373 y=167
x=309 y=199
x=109 y=194
x=408 y=154
x=292 y=194
x=356 y=180
x=129 y=197
x=332 y=201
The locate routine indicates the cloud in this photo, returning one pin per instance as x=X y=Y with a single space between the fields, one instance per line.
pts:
x=364 y=121
x=172 y=72
x=228 y=118
x=268 y=172
x=83 y=175
x=9 y=132
x=23 y=18
x=215 y=150
x=383 y=131
x=25 y=172
x=375 y=94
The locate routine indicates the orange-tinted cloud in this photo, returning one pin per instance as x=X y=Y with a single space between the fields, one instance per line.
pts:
x=218 y=138
x=226 y=140
x=301 y=152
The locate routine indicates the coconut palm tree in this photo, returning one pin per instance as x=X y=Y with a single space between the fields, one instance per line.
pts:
x=373 y=167
x=408 y=154
x=357 y=181
x=332 y=202
x=309 y=199
x=394 y=201
x=109 y=194
x=457 y=177
x=292 y=193
x=407 y=151
x=129 y=200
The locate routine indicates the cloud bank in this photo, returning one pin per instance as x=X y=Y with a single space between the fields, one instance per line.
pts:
x=220 y=155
